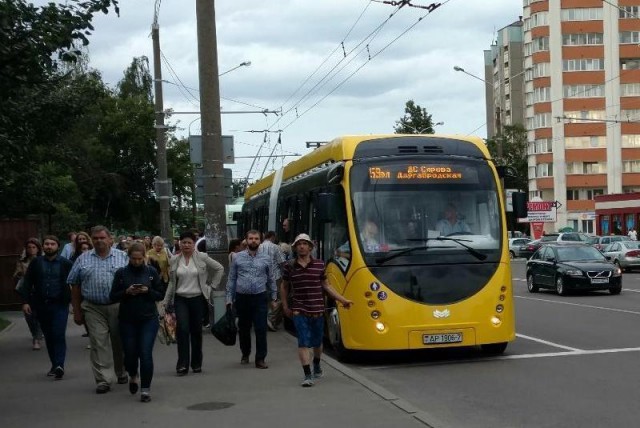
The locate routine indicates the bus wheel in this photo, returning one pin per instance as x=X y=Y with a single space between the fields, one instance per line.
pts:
x=335 y=336
x=494 y=348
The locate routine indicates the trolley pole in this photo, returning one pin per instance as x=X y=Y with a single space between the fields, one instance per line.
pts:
x=212 y=164
x=163 y=184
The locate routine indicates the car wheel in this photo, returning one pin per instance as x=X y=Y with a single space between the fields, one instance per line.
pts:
x=615 y=290
x=512 y=255
x=530 y=285
x=560 y=287
x=494 y=348
x=617 y=263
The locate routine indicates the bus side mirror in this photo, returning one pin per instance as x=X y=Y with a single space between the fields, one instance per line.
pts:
x=519 y=200
x=335 y=173
x=326 y=207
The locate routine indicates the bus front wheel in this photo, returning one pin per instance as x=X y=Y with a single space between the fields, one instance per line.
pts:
x=335 y=336
x=494 y=348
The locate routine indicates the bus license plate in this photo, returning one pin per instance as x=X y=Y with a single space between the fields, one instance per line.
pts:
x=600 y=280
x=435 y=339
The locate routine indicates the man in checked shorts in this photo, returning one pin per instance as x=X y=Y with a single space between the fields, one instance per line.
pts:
x=304 y=277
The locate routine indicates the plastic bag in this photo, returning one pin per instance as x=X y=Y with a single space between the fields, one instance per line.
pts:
x=167 y=330
x=225 y=329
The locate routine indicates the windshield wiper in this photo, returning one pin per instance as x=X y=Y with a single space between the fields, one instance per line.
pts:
x=401 y=251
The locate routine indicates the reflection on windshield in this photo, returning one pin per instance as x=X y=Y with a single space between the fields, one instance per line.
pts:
x=576 y=254
x=398 y=216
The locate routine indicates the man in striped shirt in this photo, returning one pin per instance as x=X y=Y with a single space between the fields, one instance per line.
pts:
x=304 y=277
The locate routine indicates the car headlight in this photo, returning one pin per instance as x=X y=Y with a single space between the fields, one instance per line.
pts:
x=573 y=272
x=617 y=271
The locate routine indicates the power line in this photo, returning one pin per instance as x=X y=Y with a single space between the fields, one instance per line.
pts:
x=621 y=9
x=224 y=98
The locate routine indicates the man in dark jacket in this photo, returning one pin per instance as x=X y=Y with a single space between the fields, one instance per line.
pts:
x=47 y=292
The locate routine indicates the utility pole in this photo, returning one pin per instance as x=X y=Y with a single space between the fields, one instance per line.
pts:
x=163 y=184
x=212 y=164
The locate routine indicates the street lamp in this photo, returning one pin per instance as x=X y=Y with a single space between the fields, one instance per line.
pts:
x=242 y=64
x=456 y=68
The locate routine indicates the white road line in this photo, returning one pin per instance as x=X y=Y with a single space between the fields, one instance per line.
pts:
x=546 y=342
x=624 y=311
x=631 y=290
x=519 y=279
x=509 y=357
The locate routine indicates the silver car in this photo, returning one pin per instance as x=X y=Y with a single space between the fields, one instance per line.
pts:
x=625 y=254
x=514 y=246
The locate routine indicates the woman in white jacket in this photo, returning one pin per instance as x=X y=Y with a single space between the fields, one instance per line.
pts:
x=192 y=276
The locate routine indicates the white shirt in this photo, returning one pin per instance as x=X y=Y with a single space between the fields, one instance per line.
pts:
x=187 y=276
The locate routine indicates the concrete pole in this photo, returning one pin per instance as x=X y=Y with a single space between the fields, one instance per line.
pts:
x=212 y=164
x=163 y=186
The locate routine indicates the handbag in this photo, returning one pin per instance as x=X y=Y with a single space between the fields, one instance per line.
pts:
x=167 y=330
x=225 y=329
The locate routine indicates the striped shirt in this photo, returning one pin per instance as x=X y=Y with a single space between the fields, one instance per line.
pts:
x=94 y=274
x=306 y=286
x=276 y=255
x=250 y=275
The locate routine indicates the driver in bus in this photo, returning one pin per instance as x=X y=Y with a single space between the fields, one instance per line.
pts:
x=450 y=223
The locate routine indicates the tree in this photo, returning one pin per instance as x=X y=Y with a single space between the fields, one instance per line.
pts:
x=416 y=120
x=512 y=140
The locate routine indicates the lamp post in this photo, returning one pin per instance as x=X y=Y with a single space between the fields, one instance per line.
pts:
x=242 y=64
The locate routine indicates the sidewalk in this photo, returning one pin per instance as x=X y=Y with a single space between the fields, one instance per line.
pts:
x=226 y=393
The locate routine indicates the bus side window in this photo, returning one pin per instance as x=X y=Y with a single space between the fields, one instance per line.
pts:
x=335 y=233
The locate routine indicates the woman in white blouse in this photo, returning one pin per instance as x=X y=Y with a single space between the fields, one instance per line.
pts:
x=192 y=276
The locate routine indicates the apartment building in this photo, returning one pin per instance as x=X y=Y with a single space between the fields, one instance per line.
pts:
x=582 y=103
x=503 y=72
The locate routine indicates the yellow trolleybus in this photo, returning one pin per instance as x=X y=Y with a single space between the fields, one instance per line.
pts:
x=412 y=230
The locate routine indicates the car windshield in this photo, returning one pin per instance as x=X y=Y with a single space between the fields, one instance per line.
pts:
x=593 y=240
x=407 y=207
x=631 y=245
x=578 y=253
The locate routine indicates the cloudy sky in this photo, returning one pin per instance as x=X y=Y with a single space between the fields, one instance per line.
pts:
x=286 y=41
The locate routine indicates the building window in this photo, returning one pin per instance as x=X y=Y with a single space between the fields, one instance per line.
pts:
x=586 y=168
x=541 y=94
x=539 y=19
x=573 y=194
x=627 y=12
x=581 y=39
x=629 y=37
x=528 y=49
x=543 y=145
x=631 y=166
x=582 y=14
x=584 y=116
x=630 y=140
x=629 y=63
x=542 y=120
x=542 y=69
x=544 y=170
x=584 y=64
x=630 y=89
x=585 y=142
x=583 y=91
x=592 y=193
x=632 y=115
x=540 y=44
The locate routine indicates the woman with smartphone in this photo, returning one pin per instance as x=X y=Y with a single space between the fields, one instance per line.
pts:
x=138 y=287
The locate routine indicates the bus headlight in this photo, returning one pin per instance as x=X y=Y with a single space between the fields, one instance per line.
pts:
x=496 y=321
x=379 y=326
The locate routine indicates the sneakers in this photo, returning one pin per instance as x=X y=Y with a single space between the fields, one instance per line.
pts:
x=307 y=382
x=58 y=373
x=145 y=397
x=103 y=388
x=51 y=372
x=123 y=379
x=317 y=372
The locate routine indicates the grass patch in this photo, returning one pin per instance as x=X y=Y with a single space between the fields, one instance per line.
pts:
x=4 y=323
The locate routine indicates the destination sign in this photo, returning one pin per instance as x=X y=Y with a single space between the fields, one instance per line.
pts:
x=420 y=173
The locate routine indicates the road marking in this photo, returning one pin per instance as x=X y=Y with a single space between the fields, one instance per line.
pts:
x=509 y=357
x=631 y=290
x=624 y=311
x=546 y=342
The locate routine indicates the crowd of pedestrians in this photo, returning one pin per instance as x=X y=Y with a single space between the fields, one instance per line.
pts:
x=119 y=289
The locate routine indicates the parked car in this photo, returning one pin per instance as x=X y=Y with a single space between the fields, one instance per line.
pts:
x=515 y=244
x=566 y=267
x=624 y=254
x=529 y=248
x=563 y=237
x=603 y=241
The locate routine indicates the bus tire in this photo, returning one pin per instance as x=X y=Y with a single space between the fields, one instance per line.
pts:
x=494 y=348
x=334 y=335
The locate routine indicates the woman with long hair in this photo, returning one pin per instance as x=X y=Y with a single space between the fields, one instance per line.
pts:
x=192 y=276
x=32 y=249
x=82 y=238
x=160 y=255
x=137 y=287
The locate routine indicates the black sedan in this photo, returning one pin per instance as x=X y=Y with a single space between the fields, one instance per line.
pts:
x=566 y=267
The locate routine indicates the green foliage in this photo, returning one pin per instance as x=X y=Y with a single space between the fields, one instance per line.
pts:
x=416 y=120
x=513 y=142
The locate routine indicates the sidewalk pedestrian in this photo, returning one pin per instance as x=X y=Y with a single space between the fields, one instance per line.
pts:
x=160 y=254
x=250 y=287
x=137 y=287
x=80 y=244
x=70 y=247
x=304 y=277
x=275 y=254
x=32 y=249
x=47 y=294
x=91 y=279
x=192 y=276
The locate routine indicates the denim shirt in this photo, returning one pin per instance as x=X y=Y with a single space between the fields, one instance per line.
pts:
x=250 y=275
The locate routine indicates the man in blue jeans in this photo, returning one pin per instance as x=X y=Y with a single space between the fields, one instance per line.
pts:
x=46 y=291
x=250 y=286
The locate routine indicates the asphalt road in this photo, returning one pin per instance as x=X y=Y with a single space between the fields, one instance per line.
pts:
x=575 y=363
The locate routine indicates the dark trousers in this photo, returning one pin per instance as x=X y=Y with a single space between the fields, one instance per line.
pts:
x=252 y=309
x=53 y=321
x=189 y=312
x=138 y=338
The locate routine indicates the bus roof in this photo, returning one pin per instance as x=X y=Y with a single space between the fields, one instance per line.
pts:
x=342 y=149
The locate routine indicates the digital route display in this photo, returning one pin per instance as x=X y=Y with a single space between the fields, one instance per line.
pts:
x=421 y=173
